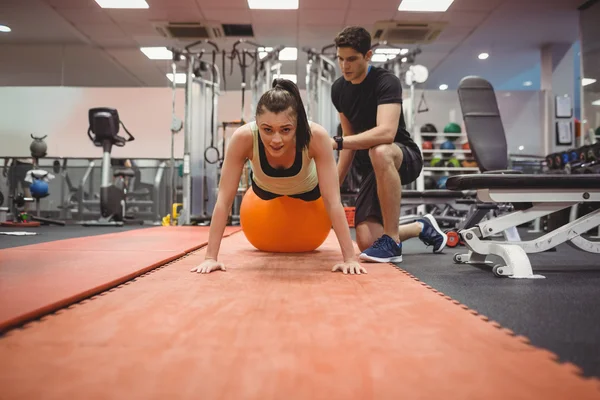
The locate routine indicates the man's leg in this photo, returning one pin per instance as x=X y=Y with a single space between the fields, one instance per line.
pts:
x=376 y=231
x=394 y=167
x=367 y=232
x=386 y=160
x=367 y=215
x=425 y=228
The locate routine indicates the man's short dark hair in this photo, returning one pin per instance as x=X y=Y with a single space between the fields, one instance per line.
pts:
x=355 y=37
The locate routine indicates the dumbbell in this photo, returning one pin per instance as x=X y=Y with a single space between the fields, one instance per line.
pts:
x=453 y=163
x=550 y=161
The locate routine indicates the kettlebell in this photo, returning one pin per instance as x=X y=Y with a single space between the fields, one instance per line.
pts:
x=38 y=147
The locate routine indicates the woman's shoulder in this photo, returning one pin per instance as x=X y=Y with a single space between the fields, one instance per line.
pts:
x=317 y=130
x=244 y=133
x=242 y=137
x=320 y=140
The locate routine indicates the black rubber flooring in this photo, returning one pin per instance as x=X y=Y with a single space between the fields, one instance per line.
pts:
x=48 y=233
x=560 y=313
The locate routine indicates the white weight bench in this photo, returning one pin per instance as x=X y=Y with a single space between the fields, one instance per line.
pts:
x=532 y=196
x=547 y=194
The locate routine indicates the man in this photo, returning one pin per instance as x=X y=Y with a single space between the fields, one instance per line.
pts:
x=17 y=172
x=369 y=100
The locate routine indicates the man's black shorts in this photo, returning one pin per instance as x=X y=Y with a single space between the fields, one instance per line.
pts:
x=367 y=202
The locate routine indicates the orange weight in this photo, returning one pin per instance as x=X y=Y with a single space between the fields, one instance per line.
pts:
x=284 y=224
x=453 y=238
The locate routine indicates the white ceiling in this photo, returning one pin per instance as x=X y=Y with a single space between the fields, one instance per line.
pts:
x=77 y=43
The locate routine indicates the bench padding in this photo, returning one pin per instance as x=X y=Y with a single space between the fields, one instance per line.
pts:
x=523 y=182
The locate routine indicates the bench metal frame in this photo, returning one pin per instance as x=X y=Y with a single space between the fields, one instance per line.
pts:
x=514 y=253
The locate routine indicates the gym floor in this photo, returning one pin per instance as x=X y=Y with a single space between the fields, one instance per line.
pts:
x=557 y=314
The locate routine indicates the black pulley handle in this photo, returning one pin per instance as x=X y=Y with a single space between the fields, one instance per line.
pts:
x=212 y=147
x=243 y=82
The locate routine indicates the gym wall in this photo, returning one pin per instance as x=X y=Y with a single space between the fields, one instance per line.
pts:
x=62 y=114
x=592 y=111
x=521 y=113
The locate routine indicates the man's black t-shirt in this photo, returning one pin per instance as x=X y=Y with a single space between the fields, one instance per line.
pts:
x=359 y=104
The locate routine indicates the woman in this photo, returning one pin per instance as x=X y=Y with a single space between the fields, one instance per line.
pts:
x=283 y=136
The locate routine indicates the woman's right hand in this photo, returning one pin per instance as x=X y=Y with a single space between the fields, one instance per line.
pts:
x=207 y=266
x=350 y=267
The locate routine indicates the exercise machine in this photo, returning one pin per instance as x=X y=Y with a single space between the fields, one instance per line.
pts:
x=321 y=73
x=533 y=196
x=38 y=180
x=266 y=69
x=202 y=89
x=103 y=131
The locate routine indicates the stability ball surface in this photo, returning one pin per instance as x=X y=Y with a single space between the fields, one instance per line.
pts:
x=284 y=224
x=38 y=188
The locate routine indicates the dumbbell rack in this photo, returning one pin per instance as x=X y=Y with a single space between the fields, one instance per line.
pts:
x=428 y=155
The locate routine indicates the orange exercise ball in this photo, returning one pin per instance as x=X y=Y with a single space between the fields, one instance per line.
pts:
x=284 y=224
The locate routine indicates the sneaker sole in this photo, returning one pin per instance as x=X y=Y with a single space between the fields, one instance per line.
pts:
x=396 y=259
x=437 y=228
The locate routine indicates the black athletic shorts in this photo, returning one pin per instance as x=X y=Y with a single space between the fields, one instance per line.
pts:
x=266 y=195
x=17 y=174
x=367 y=202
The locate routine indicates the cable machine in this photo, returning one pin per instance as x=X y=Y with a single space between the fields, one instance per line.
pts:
x=321 y=73
x=200 y=155
x=204 y=150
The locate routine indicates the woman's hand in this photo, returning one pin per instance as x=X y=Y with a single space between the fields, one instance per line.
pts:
x=208 y=266
x=350 y=267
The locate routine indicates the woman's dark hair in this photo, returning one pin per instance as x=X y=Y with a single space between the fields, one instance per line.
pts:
x=283 y=95
x=355 y=37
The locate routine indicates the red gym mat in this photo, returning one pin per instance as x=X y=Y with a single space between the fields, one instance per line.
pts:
x=41 y=278
x=277 y=326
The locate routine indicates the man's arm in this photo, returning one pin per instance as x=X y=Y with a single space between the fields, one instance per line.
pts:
x=388 y=116
x=346 y=156
x=5 y=169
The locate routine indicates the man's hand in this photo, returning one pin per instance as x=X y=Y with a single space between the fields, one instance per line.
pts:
x=350 y=267
x=208 y=266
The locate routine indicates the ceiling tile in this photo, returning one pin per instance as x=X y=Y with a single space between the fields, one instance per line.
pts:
x=130 y=57
x=150 y=15
x=84 y=66
x=366 y=18
x=240 y=4
x=438 y=47
x=464 y=19
x=227 y=16
x=319 y=36
x=272 y=35
x=474 y=5
x=280 y=17
x=168 y=4
x=114 y=42
x=417 y=16
x=330 y=4
x=385 y=5
x=85 y=15
x=452 y=35
x=106 y=31
x=313 y=16
x=35 y=22
x=137 y=29
x=73 y=4
x=152 y=40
